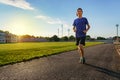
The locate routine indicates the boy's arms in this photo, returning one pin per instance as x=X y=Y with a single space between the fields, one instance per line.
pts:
x=88 y=27
x=74 y=29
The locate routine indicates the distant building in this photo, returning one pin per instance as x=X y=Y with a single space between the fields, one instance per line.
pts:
x=6 y=37
x=2 y=37
x=10 y=38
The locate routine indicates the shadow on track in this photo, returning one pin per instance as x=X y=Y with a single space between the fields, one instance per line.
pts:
x=106 y=71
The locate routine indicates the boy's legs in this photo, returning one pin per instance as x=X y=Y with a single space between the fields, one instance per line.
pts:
x=81 y=50
x=81 y=44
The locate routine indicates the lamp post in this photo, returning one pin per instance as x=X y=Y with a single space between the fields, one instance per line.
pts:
x=62 y=29
x=58 y=32
x=117 y=32
x=68 y=32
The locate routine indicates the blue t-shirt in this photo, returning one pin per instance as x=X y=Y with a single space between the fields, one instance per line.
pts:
x=80 y=24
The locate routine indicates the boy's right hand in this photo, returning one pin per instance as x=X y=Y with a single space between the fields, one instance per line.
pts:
x=74 y=30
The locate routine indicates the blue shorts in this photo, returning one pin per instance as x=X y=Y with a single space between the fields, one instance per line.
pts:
x=80 y=40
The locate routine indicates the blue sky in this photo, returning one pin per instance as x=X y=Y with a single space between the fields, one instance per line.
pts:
x=44 y=18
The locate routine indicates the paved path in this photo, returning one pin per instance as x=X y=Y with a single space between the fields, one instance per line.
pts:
x=103 y=63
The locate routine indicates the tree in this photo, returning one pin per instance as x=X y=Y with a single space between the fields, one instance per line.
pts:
x=65 y=38
x=88 y=37
x=48 y=38
x=54 y=38
x=72 y=38
x=1 y=31
x=101 y=38
x=27 y=36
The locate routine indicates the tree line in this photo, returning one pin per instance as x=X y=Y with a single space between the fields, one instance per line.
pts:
x=56 y=38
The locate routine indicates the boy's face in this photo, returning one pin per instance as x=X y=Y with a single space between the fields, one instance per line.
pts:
x=79 y=12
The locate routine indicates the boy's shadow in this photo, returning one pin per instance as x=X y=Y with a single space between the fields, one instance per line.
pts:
x=106 y=71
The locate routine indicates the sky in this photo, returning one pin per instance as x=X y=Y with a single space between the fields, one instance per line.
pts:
x=45 y=17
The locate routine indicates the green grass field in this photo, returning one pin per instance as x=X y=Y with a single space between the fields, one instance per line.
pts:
x=17 y=52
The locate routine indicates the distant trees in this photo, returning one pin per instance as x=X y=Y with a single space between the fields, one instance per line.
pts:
x=1 y=31
x=101 y=38
x=27 y=36
x=54 y=38
x=72 y=38
x=64 y=38
x=7 y=32
x=88 y=37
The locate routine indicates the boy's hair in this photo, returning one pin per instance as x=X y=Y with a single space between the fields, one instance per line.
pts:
x=80 y=9
x=77 y=10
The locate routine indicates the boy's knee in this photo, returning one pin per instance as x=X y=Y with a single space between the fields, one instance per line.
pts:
x=80 y=45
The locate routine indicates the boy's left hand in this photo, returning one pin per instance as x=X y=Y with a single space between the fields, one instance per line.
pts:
x=85 y=31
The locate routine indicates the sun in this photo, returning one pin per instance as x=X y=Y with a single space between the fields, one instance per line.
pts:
x=20 y=25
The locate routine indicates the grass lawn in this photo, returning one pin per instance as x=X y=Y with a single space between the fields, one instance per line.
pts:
x=17 y=52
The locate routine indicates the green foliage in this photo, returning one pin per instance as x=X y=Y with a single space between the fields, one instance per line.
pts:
x=101 y=38
x=65 y=38
x=71 y=38
x=54 y=38
x=88 y=37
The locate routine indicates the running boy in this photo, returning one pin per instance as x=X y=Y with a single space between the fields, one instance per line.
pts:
x=80 y=29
